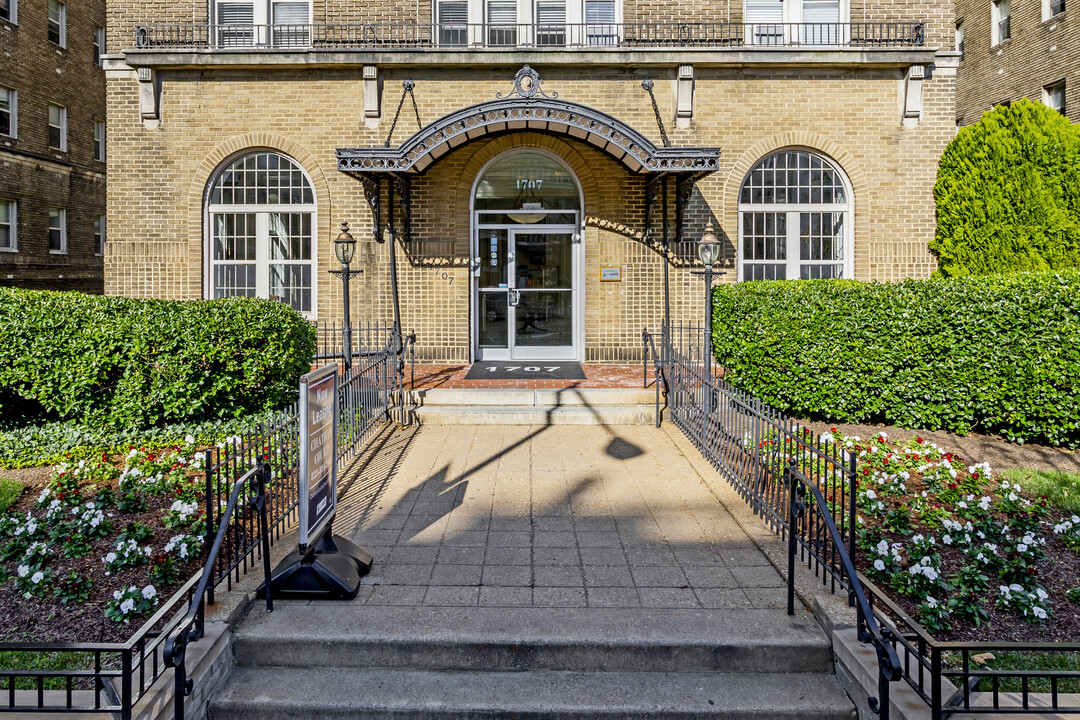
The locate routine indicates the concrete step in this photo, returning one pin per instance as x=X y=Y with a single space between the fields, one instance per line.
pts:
x=270 y=693
x=561 y=397
x=515 y=639
x=529 y=415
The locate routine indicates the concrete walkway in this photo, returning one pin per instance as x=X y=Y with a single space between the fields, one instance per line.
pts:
x=548 y=516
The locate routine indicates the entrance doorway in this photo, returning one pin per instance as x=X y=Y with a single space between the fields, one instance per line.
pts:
x=527 y=260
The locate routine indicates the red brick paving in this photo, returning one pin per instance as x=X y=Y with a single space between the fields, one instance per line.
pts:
x=596 y=376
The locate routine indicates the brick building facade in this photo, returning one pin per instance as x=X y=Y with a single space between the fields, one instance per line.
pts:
x=1016 y=49
x=527 y=161
x=52 y=144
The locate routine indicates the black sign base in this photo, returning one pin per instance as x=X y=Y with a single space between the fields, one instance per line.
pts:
x=331 y=570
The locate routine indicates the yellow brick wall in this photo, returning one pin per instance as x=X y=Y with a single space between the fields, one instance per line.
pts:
x=851 y=115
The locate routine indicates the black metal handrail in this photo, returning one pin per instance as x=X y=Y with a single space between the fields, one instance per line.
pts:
x=134 y=665
x=537 y=36
x=191 y=627
x=649 y=347
x=869 y=630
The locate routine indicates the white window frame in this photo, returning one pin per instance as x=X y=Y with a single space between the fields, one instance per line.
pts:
x=62 y=23
x=99 y=45
x=477 y=18
x=13 y=225
x=99 y=235
x=63 y=232
x=99 y=140
x=793 y=262
x=1048 y=10
x=262 y=35
x=959 y=39
x=996 y=18
x=262 y=234
x=13 y=13
x=791 y=15
x=13 y=102
x=62 y=126
x=1048 y=89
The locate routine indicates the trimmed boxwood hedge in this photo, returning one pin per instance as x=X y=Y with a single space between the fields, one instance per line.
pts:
x=998 y=353
x=121 y=362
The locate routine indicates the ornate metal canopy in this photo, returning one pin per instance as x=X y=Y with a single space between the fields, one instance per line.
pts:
x=527 y=107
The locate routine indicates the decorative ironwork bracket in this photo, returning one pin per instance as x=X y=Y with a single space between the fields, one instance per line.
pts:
x=371 y=194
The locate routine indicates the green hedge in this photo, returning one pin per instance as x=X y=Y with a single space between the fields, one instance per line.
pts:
x=119 y=362
x=996 y=353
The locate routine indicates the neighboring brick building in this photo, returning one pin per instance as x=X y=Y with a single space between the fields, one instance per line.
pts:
x=1014 y=49
x=529 y=226
x=52 y=144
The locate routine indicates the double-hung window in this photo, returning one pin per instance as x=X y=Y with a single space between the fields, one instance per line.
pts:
x=821 y=22
x=292 y=23
x=960 y=38
x=58 y=23
x=99 y=235
x=9 y=112
x=261 y=218
x=99 y=44
x=794 y=219
x=453 y=21
x=550 y=23
x=600 y=27
x=1052 y=8
x=9 y=11
x=1054 y=96
x=765 y=22
x=235 y=24
x=9 y=240
x=502 y=26
x=58 y=231
x=99 y=140
x=1001 y=22
x=58 y=127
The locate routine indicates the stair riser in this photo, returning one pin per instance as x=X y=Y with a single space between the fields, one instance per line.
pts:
x=228 y=711
x=532 y=398
x=635 y=415
x=498 y=657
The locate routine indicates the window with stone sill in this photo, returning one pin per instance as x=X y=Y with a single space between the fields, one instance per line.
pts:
x=58 y=127
x=794 y=219
x=99 y=235
x=261 y=225
x=1000 y=22
x=1054 y=96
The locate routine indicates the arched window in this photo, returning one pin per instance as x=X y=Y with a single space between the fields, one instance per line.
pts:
x=261 y=218
x=794 y=219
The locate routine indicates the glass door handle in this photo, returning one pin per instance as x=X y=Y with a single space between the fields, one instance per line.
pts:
x=513 y=297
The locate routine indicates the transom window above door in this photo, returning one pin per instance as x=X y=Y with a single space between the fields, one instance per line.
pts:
x=261 y=221
x=794 y=219
x=526 y=23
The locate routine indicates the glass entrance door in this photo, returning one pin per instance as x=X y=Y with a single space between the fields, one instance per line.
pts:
x=526 y=307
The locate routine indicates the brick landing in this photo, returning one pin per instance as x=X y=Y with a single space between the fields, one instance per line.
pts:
x=596 y=376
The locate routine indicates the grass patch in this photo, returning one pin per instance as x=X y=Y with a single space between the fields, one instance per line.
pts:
x=1061 y=489
x=1031 y=661
x=10 y=490
x=57 y=661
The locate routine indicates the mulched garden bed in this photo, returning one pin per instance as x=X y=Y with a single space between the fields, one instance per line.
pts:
x=55 y=582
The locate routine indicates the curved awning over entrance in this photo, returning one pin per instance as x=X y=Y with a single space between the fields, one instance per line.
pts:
x=545 y=114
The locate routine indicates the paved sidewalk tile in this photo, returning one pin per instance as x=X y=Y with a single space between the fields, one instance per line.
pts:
x=549 y=516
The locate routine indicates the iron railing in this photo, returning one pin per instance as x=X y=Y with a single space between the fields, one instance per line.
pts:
x=191 y=627
x=774 y=464
x=100 y=677
x=949 y=681
x=365 y=340
x=471 y=36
